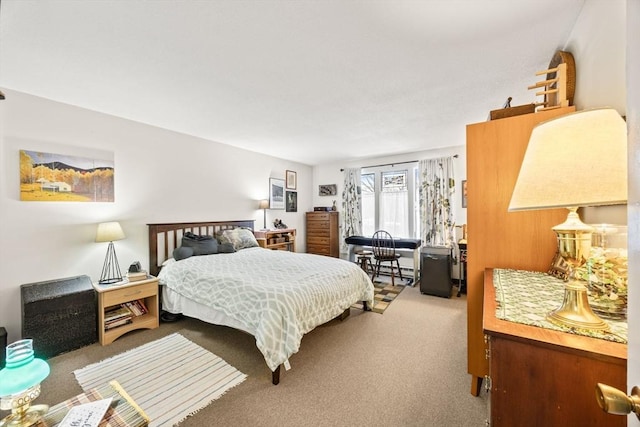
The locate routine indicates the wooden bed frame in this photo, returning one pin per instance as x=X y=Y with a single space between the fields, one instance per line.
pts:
x=164 y=238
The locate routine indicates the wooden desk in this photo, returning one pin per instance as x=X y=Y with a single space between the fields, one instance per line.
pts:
x=282 y=239
x=542 y=377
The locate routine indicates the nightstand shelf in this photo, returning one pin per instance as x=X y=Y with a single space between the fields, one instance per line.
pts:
x=115 y=295
x=279 y=239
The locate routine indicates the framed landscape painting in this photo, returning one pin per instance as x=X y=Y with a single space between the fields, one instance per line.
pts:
x=49 y=177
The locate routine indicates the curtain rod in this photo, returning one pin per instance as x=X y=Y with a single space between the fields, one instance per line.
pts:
x=393 y=164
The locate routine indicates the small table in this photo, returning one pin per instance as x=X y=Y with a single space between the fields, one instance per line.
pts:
x=144 y=291
x=123 y=412
x=364 y=259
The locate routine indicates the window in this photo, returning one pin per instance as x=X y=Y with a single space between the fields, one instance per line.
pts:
x=389 y=200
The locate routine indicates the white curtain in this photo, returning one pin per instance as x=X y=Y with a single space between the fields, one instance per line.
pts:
x=437 y=188
x=351 y=206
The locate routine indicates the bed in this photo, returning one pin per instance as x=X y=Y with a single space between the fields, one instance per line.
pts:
x=276 y=296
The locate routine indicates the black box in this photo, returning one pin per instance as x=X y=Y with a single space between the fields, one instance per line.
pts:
x=59 y=315
x=435 y=271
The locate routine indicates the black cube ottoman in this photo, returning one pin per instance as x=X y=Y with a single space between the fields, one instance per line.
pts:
x=59 y=315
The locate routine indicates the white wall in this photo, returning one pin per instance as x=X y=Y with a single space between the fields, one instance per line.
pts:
x=160 y=176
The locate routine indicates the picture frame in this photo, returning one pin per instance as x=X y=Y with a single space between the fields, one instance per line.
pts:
x=291 y=204
x=291 y=179
x=464 y=193
x=276 y=193
x=327 y=190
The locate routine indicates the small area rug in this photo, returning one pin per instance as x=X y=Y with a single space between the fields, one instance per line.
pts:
x=170 y=378
x=383 y=294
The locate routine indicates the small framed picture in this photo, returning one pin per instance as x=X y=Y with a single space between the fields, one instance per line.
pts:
x=276 y=193
x=464 y=193
x=327 y=190
x=291 y=204
x=292 y=180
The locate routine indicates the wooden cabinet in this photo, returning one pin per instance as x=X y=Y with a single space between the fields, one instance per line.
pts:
x=542 y=377
x=282 y=239
x=497 y=238
x=322 y=233
x=115 y=295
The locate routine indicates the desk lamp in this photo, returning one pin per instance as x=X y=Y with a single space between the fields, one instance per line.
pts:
x=110 y=232
x=264 y=205
x=20 y=385
x=575 y=160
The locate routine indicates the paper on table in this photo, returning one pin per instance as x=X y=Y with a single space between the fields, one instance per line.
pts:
x=87 y=414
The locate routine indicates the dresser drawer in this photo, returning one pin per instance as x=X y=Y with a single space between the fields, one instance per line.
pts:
x=318 y=249
x=318 y=216
x=318 y=241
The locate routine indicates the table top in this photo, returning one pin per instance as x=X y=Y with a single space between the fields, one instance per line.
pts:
x=124 y=412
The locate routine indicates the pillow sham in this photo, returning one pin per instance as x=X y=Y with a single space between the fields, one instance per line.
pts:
x=239 y=238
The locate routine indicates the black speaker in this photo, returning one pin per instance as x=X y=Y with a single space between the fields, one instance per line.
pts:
x=3 y=346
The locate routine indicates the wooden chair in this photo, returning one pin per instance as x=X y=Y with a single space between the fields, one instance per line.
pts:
x=384 y=250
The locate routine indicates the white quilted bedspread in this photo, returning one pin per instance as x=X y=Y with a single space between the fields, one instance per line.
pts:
x=279 y=295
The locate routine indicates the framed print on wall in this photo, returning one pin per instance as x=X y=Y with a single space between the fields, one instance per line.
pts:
x=292 y=201
x=464 y=193
x=292 y=180
x=328 y=190
x=276 y=193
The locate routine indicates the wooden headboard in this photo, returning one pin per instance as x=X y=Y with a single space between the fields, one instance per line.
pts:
x=164 y=238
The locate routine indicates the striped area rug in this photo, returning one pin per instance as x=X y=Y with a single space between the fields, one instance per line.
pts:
x=169 y=378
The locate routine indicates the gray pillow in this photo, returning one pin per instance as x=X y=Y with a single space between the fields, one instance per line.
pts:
x=202 y=245
x=182 y=252
x=226 y=248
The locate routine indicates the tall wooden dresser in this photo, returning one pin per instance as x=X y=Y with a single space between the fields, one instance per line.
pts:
x=323 y=233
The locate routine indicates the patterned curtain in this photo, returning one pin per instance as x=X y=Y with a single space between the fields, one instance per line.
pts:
x=437 y=186
x=351 y=206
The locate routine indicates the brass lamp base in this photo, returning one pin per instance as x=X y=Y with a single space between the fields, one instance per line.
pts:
x=575 y=311
x=27 y=418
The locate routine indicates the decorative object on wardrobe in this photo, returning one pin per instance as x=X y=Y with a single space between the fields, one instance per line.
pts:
x=575 y=160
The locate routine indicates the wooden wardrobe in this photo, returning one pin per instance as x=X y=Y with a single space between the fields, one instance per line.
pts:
x=497 y=238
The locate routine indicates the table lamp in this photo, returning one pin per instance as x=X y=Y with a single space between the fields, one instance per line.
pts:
x=575 y=160
x=264 y=205
x=20 y=385
x=110 y=232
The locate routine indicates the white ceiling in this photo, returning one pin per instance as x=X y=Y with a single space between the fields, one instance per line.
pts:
x=312 y=81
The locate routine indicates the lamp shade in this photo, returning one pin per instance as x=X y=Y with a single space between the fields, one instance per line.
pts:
x=579 y=159
x=22 y=370
x=264 y=204
x=109 y=232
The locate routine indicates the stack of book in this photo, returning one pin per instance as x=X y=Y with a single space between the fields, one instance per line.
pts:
x=136 y=307
x=117 y=316
x=139 y=275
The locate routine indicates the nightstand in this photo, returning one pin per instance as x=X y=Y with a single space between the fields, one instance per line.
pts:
x=142 y=294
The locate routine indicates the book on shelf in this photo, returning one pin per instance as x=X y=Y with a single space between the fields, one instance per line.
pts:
x=136 y=307
x=138 y=275
x=115 y=324
x=116 y=313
